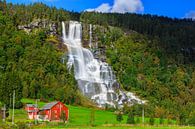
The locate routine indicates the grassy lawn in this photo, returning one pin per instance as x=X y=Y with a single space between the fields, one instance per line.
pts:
x=80 y=118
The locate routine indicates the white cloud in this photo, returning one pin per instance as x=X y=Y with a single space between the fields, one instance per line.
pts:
x=105 y=8
x=190 y=14
x=123 y=6
x=120 y=6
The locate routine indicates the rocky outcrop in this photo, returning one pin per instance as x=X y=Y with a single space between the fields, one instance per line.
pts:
x=50 y=26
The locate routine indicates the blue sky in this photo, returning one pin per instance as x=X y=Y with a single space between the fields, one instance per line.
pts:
x=170 y=8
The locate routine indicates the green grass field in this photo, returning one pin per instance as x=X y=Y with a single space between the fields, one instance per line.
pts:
x=80 y=118
x=81 y=115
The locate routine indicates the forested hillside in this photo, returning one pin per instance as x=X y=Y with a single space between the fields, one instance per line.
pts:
x=31 y=63
x=151 y=56
x=177 y=36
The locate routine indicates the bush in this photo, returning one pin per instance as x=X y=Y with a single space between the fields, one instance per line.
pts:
x=18 y=105
x=161 y=121
x=22 y=125
x=169 y=121
x=130 y=119
x=138 y=121
x=119 y=117
x=151 y=121
x=191 y=120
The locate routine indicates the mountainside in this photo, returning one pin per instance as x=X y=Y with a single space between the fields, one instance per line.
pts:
x=151 y=56
x=177 y=36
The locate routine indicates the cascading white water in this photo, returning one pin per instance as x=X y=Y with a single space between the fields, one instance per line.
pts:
x=95 y=78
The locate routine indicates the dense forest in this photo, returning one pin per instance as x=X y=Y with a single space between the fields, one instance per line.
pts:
x=177 y=36
x=152 y=56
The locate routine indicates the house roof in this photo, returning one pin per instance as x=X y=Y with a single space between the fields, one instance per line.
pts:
x=31 y=105
x=30 y=111
x=49 y=105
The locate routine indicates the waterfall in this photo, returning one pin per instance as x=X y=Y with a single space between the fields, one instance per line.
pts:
x=95 y=78
x=90 y=35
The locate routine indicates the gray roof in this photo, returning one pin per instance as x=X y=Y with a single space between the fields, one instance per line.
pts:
x=31 y=105
x=49 y=105
x=32 y=111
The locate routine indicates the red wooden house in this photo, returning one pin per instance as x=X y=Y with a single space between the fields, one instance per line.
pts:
x=32 y=111
x=53 y=111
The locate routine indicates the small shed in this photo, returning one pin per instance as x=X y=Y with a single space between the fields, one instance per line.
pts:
x=32 y=111
x=54 y=111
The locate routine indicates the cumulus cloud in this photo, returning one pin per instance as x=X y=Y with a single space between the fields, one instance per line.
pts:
x=120 y=6
x=191 y=14
x=123 y=6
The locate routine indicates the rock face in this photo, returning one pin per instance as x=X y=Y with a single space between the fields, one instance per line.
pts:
x=40 y=23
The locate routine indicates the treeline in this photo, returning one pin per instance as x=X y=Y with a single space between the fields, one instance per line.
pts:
x=23 y=14
x=177 y=36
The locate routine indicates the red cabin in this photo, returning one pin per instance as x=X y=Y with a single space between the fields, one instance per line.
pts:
x=32 y=111
x=54 y=111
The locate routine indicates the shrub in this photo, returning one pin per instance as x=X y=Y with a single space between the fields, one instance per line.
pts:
x=119 y=117
x=161 y=121
x=151 y=121
x=22 y=125
x=191 y=119
x=130 y=119
x=138 y=120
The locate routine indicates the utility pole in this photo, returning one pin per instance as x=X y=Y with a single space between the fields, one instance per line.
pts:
x=36 y=111
x=142 y=113
x=4 y=116
x=13 y=107
x=10 y=101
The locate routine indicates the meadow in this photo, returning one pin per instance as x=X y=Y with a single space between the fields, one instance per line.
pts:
x=80 y=118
